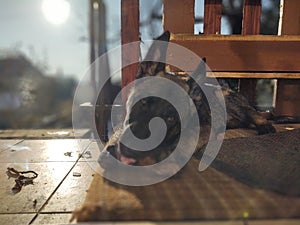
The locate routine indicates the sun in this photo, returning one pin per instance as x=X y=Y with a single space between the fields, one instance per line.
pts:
x=56 y=12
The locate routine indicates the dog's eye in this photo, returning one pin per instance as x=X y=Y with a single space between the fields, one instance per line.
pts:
x=170 y=119
x=144 y=101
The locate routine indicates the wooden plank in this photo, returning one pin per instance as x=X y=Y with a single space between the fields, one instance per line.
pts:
x=219 y=222
x=129 y=33
x=91 y=154
x=16 y=219
x=247 y=88
x=212 y=16
x=254 y=75
x=246 y=38
x=288 y=99
x=179 y=16
x=54 y=218
x=31 y=197
x=251 y=25
x=287 y=102
x=35 y=151
x=251 y=17
x=43 y=133
x=6 y=144
x=103 y=74
x=236 y=53
x=73 y=189
x=92 y=44
x=291 y=17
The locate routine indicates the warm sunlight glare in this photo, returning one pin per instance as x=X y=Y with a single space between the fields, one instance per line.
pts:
x=56 y=11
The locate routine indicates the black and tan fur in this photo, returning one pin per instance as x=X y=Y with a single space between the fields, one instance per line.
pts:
x=239 y=112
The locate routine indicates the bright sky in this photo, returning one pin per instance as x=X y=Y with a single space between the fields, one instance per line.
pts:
x=25 y=27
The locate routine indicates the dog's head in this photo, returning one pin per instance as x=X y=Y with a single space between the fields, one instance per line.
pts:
x=140 y=112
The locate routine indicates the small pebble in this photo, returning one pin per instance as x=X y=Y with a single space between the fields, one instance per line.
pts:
x=34 y=203
x=76 y=174
x=68 y=154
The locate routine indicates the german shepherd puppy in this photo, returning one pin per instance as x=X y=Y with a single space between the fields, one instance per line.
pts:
x=239 y=112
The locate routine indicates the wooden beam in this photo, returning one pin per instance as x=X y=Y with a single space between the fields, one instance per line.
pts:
x=179 y=16
x=254 y=75
x=129 y=33
x=251 y=53
x=212 y=16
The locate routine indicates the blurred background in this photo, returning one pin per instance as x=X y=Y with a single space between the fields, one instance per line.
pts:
x=46 y=47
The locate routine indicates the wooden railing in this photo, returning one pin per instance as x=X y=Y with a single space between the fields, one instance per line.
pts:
x=245 y=56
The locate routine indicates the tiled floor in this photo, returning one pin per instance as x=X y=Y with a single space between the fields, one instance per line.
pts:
x=57 y=190
x=63 y=178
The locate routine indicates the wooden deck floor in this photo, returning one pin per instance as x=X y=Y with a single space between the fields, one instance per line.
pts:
x=60 y=188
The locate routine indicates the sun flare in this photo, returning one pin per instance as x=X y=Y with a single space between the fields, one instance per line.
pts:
x=56 y=12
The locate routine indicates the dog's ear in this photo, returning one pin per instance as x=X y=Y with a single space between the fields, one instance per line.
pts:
x=199 y=73
x=154 y=62
x=198 y=76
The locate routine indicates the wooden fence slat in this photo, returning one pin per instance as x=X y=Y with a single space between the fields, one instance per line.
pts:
x=251 y=17
x=92 y=44
x=179 y=16
x=247 y=53
x=212 y=16
x=251 y=25
x=291 y=18
x=288 y=100
x=129 y=33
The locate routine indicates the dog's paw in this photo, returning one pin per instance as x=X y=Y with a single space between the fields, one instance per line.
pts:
x=265 y=129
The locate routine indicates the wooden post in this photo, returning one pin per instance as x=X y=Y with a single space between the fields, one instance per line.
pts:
x=291 y=18
x=129 y=33
x=92 y=44
x=103 y=75
x=179 y=16
x=251 y=25
x=212 y=16
x=288 y=99
x=251 y=18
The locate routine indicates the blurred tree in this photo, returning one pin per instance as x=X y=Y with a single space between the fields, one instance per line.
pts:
x=27 y=96
x=233 y=11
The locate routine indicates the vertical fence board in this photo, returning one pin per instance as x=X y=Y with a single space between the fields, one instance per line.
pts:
x=129 y=33
x=291 y=17
x=92 y=44
x=212 y=16
x=103 y=72
x=251 y=17
x=288 y=100
x=251 y=25
x=179 y=16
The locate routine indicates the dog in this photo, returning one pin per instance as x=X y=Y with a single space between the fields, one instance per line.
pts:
x=138 y=114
